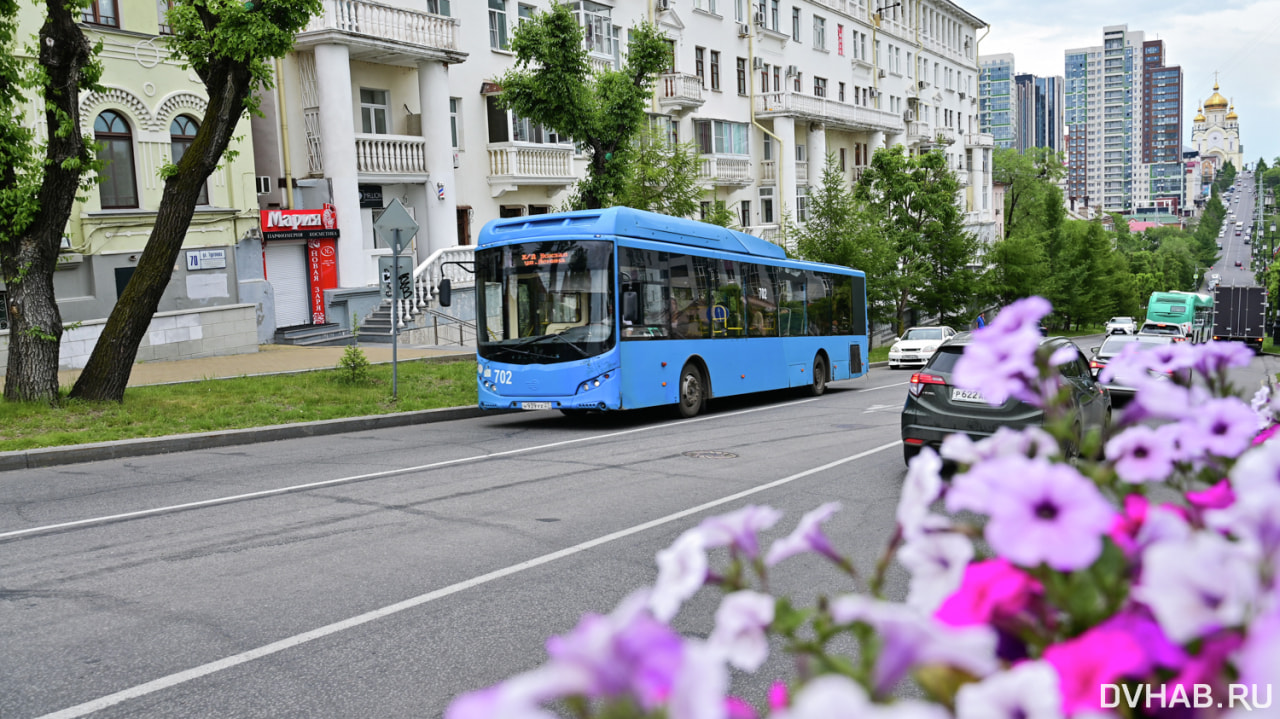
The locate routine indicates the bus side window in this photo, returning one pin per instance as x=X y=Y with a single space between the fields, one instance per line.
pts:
x=762 y=302
x=790 y=302
x=689 y=290
x=817 y=304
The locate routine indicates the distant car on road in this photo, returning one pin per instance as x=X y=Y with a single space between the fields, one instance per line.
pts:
x=1239 y=263
x=1122 y=326
x=1164 y=329
x=1112 y=346
x=916 y=346
x=935 y=408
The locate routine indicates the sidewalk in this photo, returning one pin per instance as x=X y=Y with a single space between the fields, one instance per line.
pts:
x=269 y=359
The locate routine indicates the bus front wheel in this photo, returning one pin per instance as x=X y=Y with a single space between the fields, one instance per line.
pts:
x=819 y=377
x=693 y=393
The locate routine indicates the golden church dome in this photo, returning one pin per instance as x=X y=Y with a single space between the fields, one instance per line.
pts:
x=1200 y=115
x=1232 y=115
x=1215 y=101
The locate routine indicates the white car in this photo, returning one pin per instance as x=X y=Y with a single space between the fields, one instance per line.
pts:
x=1121 y=326
x=916 y=346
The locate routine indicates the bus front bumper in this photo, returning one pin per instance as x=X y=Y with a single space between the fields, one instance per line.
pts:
x=603 y=392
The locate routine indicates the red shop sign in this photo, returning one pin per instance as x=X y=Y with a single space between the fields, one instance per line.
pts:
x=322 y=268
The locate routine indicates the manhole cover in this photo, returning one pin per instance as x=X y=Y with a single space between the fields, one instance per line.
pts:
x=710 y=454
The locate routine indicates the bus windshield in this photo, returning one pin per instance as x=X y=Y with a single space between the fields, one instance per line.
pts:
x=543 y=302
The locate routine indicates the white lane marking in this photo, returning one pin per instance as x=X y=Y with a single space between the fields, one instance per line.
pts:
x=206 y=669
x=886 y=386
x=372 y=475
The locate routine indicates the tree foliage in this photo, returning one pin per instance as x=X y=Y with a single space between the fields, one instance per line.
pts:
x=39 y=183
x=661 y=176
x=229 y=44
x=552 y=84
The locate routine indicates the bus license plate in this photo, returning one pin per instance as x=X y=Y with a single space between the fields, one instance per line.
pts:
x=966 y=395
x=535 y=405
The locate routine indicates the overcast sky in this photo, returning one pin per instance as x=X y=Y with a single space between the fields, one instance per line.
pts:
x=1240 y=39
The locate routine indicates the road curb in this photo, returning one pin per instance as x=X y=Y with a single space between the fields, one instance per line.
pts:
x=145 y=446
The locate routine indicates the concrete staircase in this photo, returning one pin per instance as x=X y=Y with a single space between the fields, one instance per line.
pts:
x=327 y=335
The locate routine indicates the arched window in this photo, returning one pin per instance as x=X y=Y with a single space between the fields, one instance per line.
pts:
x=115 y=142
x=182 y=132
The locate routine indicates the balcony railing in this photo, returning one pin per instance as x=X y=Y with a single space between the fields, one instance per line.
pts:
x=391 y=154
x=725 y=170
x=513 y=164
x=384 y=22
x=980 y=139
x=918 y=130
x=802 y=174
x=839 y=115
x=680 y=90
x=769 y=172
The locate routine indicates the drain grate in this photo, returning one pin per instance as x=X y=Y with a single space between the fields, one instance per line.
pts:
x=710 y=454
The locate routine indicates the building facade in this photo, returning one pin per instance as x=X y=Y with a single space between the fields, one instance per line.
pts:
x=1162 y=132
x=368 y=110
x=1215 y=134
x=1039 y=112
x=998 y=100
x=145 y=116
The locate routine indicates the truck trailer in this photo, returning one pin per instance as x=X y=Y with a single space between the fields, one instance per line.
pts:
x=1240 y=315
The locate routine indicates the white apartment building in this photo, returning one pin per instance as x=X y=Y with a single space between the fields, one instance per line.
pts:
x=399 y=99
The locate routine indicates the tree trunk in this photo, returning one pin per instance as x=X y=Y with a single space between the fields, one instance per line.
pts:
x=28 y=261
x=107 y=373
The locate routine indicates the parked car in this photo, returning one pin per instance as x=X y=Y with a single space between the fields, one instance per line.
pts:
x=1239 y=263
x=935 y=408
x=916 y=346
x=1165 y=329
x=1112 y=346
x=1122 y=325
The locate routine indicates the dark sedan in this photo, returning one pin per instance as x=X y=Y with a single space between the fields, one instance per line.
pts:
x=1112 y=346
x=935 y=409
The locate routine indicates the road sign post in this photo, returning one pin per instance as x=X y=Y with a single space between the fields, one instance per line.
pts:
x=396 y=228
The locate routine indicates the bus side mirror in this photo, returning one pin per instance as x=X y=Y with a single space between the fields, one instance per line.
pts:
x=631 y=308
x=1094 y=349
x=444 y=292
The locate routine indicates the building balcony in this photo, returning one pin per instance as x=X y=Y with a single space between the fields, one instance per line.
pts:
x=836 y=115
x=391 y=157
x=919 y=132
x=802 y=174
x=979 y=139
x=769 y=172
x=517 y=164
x=383 y=34
x=725 y=170
x=680 y=91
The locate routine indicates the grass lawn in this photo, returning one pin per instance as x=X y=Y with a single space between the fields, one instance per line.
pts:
x=878 y=354
x=219 y=404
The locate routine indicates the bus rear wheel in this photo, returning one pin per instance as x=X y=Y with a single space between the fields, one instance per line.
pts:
x=819 y=377
x=693 y=393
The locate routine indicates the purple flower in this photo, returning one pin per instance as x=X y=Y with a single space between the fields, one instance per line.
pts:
x=628 y=652
x=974 y=490
x=739 y=635
x=921 y=487
x=937 y=563
x=1257 y=470
x=1214 y=357
x=682 y=570
x=909 y=639
x=1141 y=454
x=700 y=688
x=520 y=696
x=1219 y=496
x=1028 y=442
x=738 y=529
x=1027 y=691
x=1221 y=427
x=1158 y=398
x=1254 y=521
x=1000 y=361
x=1197 y=586
x=807 y=537
x=1047 y=513
x=1259 y=659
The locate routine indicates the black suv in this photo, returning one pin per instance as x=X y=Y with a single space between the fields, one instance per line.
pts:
x=935 y=408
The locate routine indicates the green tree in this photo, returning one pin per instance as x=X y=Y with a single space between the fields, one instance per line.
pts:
x=840 y=232
x=913 y=200
x=553 y=85
x=38 y=185
x=1027 y=178
x=1226 y=176
x=1017 y=267
x=662 y=176
x=721 y=215
x=229 y=44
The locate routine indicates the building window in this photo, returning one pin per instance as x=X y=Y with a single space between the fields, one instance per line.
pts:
x=802 y=204
x=715 y=69
x=722 y=138
x=841 y=90
x=182 y=132
x=819 y=33
x=819 y=87
x=118 y=188
x=775 y=22
x=498 y=24
x=777 y=78
x=766 y=205
x=744 y=213
x=740 y=10
x=801 y=154
x=163 y=7
x=797 y=83
x=102 y=12
x=526 y=13
x=454 y=105
x=374 y=108
x=438 y=7
x=742 y=75
x=795 y=24
x=843 y=159
x=768 y=148
x=597 y=25
x=699 y=65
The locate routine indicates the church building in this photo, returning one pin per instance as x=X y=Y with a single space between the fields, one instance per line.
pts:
x=1216 y=134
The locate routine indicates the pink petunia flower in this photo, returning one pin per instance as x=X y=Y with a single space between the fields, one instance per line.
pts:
x=1097 y=657
x=990 y=593
x=807 y=537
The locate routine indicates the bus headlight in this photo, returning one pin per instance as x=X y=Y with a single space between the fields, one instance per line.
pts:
x=595 y=382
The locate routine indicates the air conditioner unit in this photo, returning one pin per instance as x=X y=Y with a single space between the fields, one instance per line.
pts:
x=456 y=162
x=922 y=84
x=962 y=96
x=664 y=5
x=759 y=18
x=757 y=63
x=744 y=30
x=264 y=185
x=883 y=74
x=909 y=115
x=792 y=71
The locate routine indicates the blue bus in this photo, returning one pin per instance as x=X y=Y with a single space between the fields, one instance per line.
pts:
x=621 y=309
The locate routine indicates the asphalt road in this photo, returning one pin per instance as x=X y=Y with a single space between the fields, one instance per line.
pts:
x=1239 y=209
x=379 y=574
